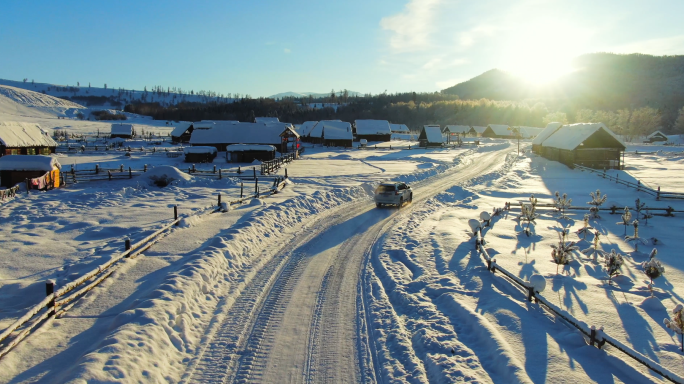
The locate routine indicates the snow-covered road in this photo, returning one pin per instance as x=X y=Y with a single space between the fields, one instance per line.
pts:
x=301 y=319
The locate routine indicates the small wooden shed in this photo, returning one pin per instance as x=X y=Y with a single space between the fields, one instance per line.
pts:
x=373 y=130
x=498 y=131
x=124 y=131
x=338 y=134
x=181 y=132
x=200 y=154
x=592 y=145
x=430 y=136
x=400 y=128
x=476 y=130
x=18 y=138
x=247 y=153
x=656 y=137
x=41 y=171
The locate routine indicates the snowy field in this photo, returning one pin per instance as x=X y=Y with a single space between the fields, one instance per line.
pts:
x=316 y=284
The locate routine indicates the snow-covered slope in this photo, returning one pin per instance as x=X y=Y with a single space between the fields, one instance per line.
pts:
x=22 y=102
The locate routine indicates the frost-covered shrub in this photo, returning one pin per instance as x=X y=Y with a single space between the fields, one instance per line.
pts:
x=677 y=322
x=529 y=214
x=652 y=268
x=596 y=201
x=636 y=239
x=585 y=228
x=613 y=264
x=562 y=252
x=594 y=249
x=626 y=217
x=562 y=203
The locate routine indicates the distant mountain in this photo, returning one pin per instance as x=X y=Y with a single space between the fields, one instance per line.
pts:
x=312 y=94
x=602 y=81
x=115 y=98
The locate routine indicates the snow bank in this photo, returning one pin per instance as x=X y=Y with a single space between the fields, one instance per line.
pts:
x=164 y=175
x=152 y=342
x=28 y=163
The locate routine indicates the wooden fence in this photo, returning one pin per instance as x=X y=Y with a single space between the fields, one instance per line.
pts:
x=57 y=302
x=597 y=337
x=639 y=186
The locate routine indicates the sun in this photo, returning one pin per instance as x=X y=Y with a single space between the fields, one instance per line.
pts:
x=542 y=53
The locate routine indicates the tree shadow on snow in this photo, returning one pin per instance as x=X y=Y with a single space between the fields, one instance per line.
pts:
x=570 y=287
x=639 y=332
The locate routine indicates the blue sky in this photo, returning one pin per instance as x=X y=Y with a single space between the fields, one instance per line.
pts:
x=264 y=47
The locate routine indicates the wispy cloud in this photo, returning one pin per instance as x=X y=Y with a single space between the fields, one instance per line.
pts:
x=411 y=29
x=287 y=50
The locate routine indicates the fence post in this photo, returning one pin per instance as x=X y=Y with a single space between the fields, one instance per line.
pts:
x=130 y=173
x=254 y=170
x=592 y=336
x=145 y=168
x=256 y=187
x=658 y=195
x=194 y=169
x=214 y=168
x=530 y=294
x=97 y=169
x=175 y=213
x=239 y=170
x=127 y=244
x=219 y=199
x=287 y=176
x=242 y=189
x=110 y=174
x=617 y=177
x=50 y=290
x=219 y=173
x=121 y=168
x=27 y=187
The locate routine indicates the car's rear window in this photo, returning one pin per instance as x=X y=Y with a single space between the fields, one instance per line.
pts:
x=385 y=188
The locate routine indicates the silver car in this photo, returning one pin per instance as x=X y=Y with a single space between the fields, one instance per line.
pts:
x=393 y=194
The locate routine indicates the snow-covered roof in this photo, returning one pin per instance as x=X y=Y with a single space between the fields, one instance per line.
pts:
x=28 y=163
x=16 y=134
x=266 y=120
x=200 y=149
x=317 y=130
x=433 y=133
x=203 y=125
x=569 y=137
x=337 y=130
x=548 y=131
x=180 y=128
x=122 y=129
x=306 y=127
x=249 y=147
x=499 y=129
x=479 y=129
x=656 y=133
x=399 y=128
x=372 y=127
x=283 y=127
x=457 y=128
x=243 y=133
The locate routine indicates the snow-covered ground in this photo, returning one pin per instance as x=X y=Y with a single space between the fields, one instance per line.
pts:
x=316 y=284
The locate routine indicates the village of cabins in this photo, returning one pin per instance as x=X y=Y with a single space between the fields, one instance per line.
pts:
x=591 y=145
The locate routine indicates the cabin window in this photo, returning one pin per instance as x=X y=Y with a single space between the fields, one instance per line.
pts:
x=13 y=151
x=30 y=151
x=45 y=151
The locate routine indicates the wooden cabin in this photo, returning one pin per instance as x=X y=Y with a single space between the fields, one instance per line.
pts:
x=550 y=129
x=592 y=145
x=124 y=131
x=315 y=135
x=222 y=134
x=476 y=130
x=400 y=128
x=373 y=130
x=247 y=153
x=24 y=139
x=200 y=154
x=453 y=132
x=430 y=136
x=529 y=132
x=498 y=131
x=41 y=171
x=182 y=132
x=338 y=134
x=656 y=137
